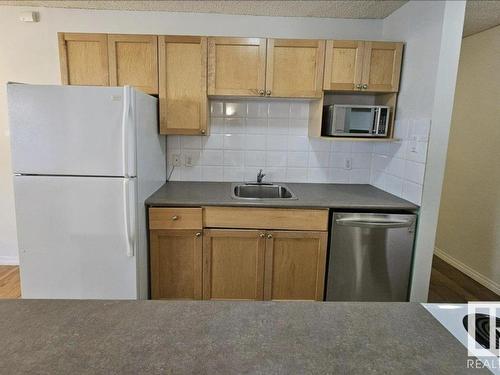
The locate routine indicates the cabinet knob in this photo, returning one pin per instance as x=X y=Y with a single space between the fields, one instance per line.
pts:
x=261 y=92
x=202 y=131
x=175 y=217
x=269 y=236
x=198 y=234
x=358 y=86
x=262 y=235
x=268 y=92
x=365 y=86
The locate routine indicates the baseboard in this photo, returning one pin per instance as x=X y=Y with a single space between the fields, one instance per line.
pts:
x=9 y=261
x=473 y=274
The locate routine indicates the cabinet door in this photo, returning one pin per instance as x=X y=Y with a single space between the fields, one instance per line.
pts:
x=233 y=264
x=236 y=66
x=343 y=65
x=295 y=68
x=83 y=59
x=382 y=66
x=133 y=60
x=295 y=265
x=176 y=264
x=183 y=84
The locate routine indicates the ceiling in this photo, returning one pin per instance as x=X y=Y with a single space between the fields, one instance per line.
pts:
x=292 y=8
x=480 y=14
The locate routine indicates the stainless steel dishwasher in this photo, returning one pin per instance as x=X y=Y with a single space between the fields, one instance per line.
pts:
x=370 y=257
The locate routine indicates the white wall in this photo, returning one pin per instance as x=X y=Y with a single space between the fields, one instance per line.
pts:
x=398 y=167
x=28 y=53
x=432 y=31
x=468 y=233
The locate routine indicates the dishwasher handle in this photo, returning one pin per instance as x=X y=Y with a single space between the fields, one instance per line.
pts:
x=374 y=223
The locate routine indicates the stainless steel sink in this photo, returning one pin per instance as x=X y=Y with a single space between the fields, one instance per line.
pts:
x=261 y=191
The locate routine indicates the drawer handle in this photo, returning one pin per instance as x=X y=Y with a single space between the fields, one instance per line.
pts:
x=269 y=236
x=175 y=217
x=262 y=235
x=198 y=234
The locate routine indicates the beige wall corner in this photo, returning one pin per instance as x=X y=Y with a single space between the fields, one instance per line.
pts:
x=469 y=218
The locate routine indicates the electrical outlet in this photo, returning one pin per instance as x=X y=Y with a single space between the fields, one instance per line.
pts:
x=347 y=163
x=176 y=160
x=188 y=160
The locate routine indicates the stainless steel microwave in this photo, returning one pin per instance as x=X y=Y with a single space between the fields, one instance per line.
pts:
x=355 y=120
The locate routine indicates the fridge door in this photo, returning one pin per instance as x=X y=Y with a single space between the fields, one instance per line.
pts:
x=72 y=130
x=77 y=236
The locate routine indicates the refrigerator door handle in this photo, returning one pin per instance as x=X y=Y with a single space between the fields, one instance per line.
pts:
x=129 y=224
x=128 y=133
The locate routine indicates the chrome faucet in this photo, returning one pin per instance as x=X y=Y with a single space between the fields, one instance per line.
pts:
x=260 y=176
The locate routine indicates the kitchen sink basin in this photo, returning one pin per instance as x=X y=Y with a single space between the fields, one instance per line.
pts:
x=261 y=191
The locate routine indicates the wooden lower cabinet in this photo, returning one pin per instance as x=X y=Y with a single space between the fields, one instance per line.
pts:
x=257 y=265
x=176 y=263
x=295 y=265
x=233 y=264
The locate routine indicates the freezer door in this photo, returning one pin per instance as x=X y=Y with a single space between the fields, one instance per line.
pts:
x=77 y=237
x=71 y=130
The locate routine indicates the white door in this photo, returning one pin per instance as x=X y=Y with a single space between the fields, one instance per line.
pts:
x=71 y=130
x=76 y=236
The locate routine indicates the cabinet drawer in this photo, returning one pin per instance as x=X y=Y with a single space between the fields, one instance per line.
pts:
x=175 y=218
x=265 y=218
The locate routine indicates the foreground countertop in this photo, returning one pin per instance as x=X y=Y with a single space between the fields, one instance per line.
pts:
x=340 y=196
x=138 y=337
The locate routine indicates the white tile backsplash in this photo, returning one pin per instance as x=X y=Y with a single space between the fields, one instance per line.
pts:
x=246 y=136
x=276 y=159
x=215 y=141
x=297 y=143
x=278 y=126
x=235 y=125
x=192 y=142
x=399 y=167
x=212 y=157
x=256 y=125
x=279 y=109
x=258 y=109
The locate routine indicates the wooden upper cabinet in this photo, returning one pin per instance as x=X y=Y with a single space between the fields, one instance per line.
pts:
x=176 y=264
x=83 y=59
x=236 y=66
x=382 y=66
x=343 y=65
x=233 y=264
x=133 y=60
x=352 y=65
x=183 y=84
x=295 y=265
x=295 y=68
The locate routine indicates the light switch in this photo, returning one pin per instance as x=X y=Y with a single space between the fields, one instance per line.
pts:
x=347 y=163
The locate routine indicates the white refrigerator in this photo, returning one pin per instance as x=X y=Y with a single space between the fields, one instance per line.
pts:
x=84 y=160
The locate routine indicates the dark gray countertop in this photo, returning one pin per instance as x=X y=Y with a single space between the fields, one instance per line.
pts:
x=340 y=196
x=159 y=337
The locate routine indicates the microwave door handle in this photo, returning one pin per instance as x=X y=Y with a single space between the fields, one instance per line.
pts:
x=376 y=121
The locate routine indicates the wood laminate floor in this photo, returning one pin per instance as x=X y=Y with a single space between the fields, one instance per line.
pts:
x=10 y=286
x=450 y=285
x=447 y=285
